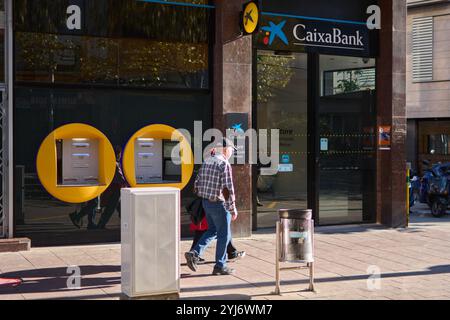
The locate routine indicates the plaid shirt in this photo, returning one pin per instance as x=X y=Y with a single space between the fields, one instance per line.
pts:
x=214 y=176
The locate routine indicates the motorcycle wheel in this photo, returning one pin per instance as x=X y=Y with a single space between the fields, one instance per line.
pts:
x=438 y=209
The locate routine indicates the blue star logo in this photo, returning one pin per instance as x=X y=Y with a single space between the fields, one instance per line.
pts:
x=238 y=128
x=276 y=30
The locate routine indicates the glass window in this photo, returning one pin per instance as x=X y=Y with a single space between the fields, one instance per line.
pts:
x=114 y=19
x=347 y=140
x=107 y=61
x=93 y=70
x=126 y=43
x=345 y=81
x=433 y=142
x=118 y=114
x=2 y=40
x=346 y=74
x=282 y=104
x=439 y=144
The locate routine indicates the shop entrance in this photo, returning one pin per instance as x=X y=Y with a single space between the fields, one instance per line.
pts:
x=325 y=109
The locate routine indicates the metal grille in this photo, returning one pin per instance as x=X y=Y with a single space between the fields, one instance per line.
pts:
x=422 y=49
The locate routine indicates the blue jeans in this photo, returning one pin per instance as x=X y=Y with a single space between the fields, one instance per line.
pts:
x=219 y=227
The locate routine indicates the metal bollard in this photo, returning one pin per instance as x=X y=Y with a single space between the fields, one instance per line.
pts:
x=295 y=243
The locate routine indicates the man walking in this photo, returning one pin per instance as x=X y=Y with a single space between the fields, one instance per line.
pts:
x=214 y=184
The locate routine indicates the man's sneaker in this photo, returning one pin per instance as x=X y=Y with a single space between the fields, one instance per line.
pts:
x=191 y=260
x=223 y=271
x=236 y=256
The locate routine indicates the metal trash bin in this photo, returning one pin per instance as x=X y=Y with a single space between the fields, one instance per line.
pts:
x=295 y=243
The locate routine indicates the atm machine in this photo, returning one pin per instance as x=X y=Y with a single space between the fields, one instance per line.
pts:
x=78 y=159
x=154 y=163
x=76 y=163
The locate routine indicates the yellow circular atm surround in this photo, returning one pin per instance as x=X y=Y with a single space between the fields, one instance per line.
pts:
x=47 y=164
x=250 y=17
x=159 y=132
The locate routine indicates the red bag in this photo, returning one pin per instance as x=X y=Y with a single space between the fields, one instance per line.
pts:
x=202 y=226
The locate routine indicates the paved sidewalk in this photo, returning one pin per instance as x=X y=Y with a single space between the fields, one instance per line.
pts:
x=414 y=264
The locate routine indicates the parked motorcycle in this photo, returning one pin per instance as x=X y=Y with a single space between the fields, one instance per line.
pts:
x=435 y=188
x=438 y=195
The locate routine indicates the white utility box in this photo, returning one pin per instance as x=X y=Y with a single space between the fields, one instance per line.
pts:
x=150 y=242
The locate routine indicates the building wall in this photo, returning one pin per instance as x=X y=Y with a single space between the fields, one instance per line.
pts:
x=430 y=99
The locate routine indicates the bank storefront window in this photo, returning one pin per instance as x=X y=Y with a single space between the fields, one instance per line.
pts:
x=106 y=42
x=2 y=40
x=115 y=65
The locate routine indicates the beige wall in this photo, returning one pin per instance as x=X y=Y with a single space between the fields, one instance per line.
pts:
x=431 y=99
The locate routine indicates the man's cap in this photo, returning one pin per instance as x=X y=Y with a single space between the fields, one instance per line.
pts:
x=224 y=143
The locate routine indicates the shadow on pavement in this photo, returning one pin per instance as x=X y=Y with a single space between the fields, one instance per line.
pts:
x=442 y=269
x=55 y=279
x=344 y=229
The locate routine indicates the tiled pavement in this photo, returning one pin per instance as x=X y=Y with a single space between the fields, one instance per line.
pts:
x=414 y=264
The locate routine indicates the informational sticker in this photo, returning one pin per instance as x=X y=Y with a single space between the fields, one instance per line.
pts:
x=237 y=124
x=298 y=235
x=285 y=167
x=324 y=144
x=384 y=137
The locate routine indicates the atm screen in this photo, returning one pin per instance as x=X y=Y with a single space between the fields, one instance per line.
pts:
x=172 y=162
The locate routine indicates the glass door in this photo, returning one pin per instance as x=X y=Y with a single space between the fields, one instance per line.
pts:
x=282 y=103
x=346 y=136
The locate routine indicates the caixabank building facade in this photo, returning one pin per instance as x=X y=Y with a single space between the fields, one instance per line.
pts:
x=314 y=70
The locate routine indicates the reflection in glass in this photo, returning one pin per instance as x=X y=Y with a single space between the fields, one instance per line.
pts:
x=282 y=104
x=2 y=40
x=116 y=19
x=347 y=139
x=439 y=144
x=121 y=43
x=121 y=62
x=118 y=114
x=346 y=81
x=433 y=142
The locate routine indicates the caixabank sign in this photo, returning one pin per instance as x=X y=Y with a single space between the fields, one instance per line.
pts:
x=311 y=28
x=290 y=34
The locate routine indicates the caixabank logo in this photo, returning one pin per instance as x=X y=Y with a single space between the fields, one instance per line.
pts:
x=273 y=31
